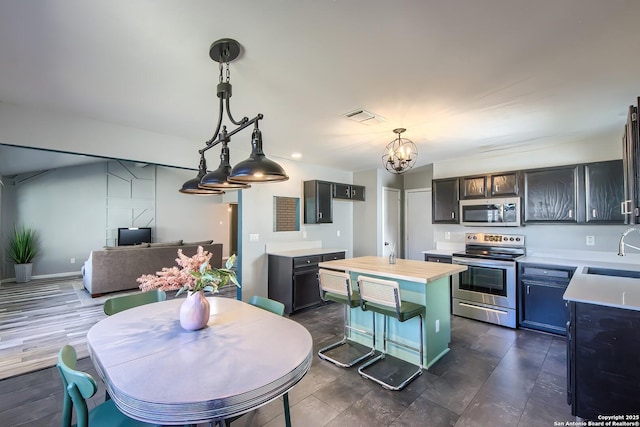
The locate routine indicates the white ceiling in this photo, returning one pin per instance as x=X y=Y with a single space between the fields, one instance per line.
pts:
x=462 y=76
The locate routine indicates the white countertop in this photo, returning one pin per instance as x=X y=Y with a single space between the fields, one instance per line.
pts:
x=306 y=252
x=611 y=291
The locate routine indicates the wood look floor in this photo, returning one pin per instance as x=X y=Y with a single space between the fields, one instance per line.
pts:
x=493 y=376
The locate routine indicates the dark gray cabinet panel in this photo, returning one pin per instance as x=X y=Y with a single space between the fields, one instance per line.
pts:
x=602 y=355
x=445 y=201
x=438 y=258
x=631 y=166
x=318 y=208
x=474 y=187
x=348 y=191
x=294 y=280
x=551 y=195
x=604 y=192
x=506 y=184
x=540 y=301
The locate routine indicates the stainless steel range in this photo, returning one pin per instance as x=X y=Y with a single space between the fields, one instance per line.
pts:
x=487 y=290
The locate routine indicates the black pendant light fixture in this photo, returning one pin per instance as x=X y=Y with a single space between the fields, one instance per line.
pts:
x=257 y=168
x=193 y=185
x=400 y=154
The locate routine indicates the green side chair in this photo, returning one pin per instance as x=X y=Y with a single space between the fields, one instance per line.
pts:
x=274 y=307
x=79 y=386
x=383 y=297
x=336 y=286
x=117 y=304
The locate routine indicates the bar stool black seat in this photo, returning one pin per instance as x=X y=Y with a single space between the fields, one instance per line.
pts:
x=336 y=286
x=383 y=297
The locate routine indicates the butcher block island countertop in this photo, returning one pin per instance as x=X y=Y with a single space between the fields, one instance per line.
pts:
x=403 y=269
x=421 y=282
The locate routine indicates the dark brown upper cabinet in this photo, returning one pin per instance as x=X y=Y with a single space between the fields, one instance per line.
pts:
x=474 y=187
x=604 y=192
x=550 y=195
x=445 y=201
x=504 y=184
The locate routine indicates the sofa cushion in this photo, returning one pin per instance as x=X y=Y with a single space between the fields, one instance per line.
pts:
x=165 y=244
x=126 y=247
x=200 y=243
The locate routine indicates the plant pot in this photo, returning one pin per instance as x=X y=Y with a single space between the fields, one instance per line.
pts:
x=194 y=312
x=23 y=272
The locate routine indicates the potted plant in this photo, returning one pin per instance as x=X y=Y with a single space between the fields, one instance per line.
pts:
x=23 y=248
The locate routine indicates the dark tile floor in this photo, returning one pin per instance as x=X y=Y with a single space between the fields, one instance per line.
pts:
x=492 y=376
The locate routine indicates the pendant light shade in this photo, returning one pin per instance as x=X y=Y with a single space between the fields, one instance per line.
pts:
x=219 y=178
x=257 y=168
x=192 y=186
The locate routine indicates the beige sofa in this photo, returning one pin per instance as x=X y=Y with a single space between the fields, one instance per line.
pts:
x=116 y=269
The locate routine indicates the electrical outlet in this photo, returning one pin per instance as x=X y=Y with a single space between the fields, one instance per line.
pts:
x=254 y=237
x=338 y=233
x=447 y=235
x=591 y=240
x=437 y=325
x=72 y=260
x=304 y=234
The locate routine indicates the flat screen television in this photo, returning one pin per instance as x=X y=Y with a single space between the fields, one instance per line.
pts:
x=133 y=236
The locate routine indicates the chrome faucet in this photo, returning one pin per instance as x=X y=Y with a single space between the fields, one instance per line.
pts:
x=622 y=244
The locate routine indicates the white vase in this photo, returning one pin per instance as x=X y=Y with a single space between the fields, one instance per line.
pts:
x=194 y=311
x=23 y=272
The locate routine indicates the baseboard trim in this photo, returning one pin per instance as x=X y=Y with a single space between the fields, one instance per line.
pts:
x=47 y=276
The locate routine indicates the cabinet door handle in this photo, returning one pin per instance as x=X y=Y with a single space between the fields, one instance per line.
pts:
x=594 y=213
x=497 y=188
x=346 y=192
x=319 y=215
x=570 y=213
x=569 y=386
x=353 y=193
x=453 y=215
x=528 y=289
x=625 y=207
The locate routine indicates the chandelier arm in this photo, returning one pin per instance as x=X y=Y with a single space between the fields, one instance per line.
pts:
x=227 y=136
x=215 y=134
x=241 y=122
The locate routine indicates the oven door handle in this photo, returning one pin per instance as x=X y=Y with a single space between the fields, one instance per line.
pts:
x=478 y=263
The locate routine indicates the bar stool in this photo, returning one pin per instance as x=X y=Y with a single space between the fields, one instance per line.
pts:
x=336 y=286
x=383 y=296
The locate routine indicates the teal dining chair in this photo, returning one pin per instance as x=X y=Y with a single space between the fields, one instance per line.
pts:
x=117 y=304
x=274 y=307
x=80 y=386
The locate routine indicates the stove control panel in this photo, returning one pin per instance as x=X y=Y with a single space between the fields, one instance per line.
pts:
x=494 y=239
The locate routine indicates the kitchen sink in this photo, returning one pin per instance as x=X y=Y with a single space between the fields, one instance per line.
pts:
x=612 y=272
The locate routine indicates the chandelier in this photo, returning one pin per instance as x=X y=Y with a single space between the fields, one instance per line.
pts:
x=257 y=168
x=400 y=154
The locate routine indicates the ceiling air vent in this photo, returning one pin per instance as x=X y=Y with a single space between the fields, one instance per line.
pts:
x=364 y=116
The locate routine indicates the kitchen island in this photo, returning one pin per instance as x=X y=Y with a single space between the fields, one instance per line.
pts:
x=424 y=283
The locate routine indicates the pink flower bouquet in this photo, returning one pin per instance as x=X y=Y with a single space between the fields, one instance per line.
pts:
x=192 y=274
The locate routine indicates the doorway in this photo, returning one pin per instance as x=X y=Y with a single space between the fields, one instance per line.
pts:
x=390 y=222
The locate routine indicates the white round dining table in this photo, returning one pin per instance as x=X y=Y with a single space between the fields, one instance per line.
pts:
x=157 y=372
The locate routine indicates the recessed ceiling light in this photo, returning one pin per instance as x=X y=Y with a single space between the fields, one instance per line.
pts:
x=296 y=155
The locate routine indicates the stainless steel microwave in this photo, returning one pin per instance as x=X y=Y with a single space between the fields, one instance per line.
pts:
x=503 y=212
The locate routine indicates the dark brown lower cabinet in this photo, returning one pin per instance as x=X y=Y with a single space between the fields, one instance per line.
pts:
x=603 y=350
x=294 y=280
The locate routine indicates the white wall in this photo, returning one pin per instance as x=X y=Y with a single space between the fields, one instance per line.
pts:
x=257 y=218
x=67 y=209
x=189 y=217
